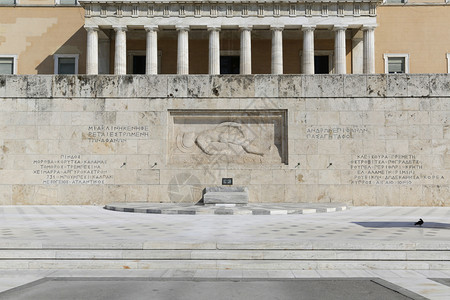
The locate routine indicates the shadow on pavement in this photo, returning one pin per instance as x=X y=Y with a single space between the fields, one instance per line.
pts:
x=388 y=224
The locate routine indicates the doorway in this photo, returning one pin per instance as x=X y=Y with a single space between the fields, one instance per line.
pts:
x=138 y=64
x=321 y=64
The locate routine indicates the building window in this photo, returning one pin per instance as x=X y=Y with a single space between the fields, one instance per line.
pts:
x=8 y=2
x=8 y=64
x=448 y=62
x=66 y=63
x=395 y=1
x=67 y=2
x=230 y=62
x=396 y=63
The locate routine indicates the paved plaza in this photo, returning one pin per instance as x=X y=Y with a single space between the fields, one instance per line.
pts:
x=43 y=242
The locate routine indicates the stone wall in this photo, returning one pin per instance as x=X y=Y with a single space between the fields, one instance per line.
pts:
x=363 y=140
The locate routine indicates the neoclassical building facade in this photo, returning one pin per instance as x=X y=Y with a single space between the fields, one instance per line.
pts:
x=223 y=37
x=363 y=138
x=240 y=19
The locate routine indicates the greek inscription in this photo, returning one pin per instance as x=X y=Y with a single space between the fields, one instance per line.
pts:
x=334 y=133
x=386 y=169
x=115 y=133
x=72 y=169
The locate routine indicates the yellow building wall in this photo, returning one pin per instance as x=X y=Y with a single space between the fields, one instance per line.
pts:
x=35 y=34
x=421 y=31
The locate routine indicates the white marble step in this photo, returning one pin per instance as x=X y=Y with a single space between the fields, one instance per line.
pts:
x=73 y=264
x=196 y=254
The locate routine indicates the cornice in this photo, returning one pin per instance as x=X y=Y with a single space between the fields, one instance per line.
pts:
x=228 y=8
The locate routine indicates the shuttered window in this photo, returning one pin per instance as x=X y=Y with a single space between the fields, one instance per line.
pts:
x=7 y=2
x=68 y=2
x=396 y=65
x=66 y=63
x=6 y=65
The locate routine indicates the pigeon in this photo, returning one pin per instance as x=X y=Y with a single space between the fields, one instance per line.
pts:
x=420 y=222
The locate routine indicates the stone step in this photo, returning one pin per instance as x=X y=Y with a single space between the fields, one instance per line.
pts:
x=72 y=264
x=195 y=254
x=301 y=245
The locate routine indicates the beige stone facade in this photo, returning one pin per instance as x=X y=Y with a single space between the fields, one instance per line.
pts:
x=34 y=33
x=359 y=139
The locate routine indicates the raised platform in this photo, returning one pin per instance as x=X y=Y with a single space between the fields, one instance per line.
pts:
x=226 y=195
x=227 y=209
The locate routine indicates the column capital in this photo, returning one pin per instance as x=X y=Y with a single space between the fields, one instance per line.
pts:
x=276 y=27
x=339 y=27
x=91 y=28
x=369 y=27
x=214 y=27
x=308 y=27
x=245 y=27
x=151 y=28
x=120 y=28
x=182 y=28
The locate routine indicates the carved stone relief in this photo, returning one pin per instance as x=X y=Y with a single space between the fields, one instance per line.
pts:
x=229 y=137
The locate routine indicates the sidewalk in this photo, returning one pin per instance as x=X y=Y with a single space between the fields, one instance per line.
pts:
x=364 y=242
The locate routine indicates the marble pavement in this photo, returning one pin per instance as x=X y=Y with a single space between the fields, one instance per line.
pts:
x=296 y=246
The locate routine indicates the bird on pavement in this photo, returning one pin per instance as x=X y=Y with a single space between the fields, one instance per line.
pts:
x=420 y=222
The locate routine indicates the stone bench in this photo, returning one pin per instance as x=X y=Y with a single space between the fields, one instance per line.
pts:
x=226 y=195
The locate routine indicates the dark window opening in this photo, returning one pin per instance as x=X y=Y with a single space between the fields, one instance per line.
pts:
x=321 y=64
x=229 y=64
x=138 y=64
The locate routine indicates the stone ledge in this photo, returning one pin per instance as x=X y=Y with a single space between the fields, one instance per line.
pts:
x=225 y=86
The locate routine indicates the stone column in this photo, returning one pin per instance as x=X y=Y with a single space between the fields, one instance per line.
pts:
x=92 y=50
x=277 y=49
x=246 y=50
x=369 y=49
x=357 y=53
x=120 y=56
x=183 y=50
x=308 y=50
x=104 y=47
x=214 y=50
x=340 y=65
x=151 y=59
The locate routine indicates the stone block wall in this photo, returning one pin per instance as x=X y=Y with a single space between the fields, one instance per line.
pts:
x=359 y=139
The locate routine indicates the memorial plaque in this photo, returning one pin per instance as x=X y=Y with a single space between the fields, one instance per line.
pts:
x=227 y=181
